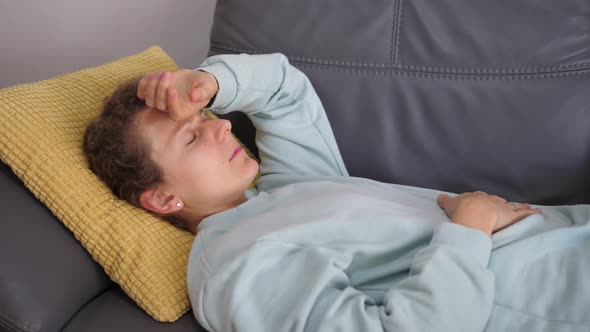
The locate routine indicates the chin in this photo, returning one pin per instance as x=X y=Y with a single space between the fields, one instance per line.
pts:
x=253 y=171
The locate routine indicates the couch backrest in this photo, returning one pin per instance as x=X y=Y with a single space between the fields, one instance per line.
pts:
x=457 y=95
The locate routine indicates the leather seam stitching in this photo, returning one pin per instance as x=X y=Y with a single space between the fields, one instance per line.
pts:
x=400 y=8
x=393 y=34
x=396 y=72
x=223 y=47
x=429 y=69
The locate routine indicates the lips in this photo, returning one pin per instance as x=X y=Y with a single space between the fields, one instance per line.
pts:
x=237 y=150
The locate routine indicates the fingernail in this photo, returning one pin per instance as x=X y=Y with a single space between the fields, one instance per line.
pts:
x=194 y=96
x=148 y=77
x=166 y=75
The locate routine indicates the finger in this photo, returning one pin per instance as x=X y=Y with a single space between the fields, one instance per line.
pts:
x=519 y=206
x=442 y=199
x=539 y=211
x=198 y=95
x=141 y=87
x=173 y=105
x=518 y=216
x=201 y=93
x=162 y=93
x=151 y=89
x=521 y=214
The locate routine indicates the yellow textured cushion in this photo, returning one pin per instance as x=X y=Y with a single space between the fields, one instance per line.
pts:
x=41 y=130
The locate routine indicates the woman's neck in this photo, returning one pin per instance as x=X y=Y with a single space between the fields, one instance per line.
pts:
x=195 y=216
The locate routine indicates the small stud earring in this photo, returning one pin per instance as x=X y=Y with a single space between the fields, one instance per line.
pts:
x=178 y=204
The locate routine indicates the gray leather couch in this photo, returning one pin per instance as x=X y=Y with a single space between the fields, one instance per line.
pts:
x=458 y=95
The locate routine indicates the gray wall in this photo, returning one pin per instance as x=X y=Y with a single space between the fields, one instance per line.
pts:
x=40 y=39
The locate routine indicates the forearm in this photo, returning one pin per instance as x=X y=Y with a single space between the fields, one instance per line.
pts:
x=247 y=83
x=449 y=288
x=281 y=103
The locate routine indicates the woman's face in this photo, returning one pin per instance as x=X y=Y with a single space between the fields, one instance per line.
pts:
x=202 y=164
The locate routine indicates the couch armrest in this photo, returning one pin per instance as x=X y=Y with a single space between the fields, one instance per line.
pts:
x=45 y=274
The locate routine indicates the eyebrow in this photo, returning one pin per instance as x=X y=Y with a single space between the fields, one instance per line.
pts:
x=180 y=127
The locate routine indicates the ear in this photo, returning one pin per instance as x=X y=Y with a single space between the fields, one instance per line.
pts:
x=159 y=202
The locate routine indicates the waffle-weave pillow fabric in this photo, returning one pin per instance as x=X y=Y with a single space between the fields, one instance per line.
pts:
x=41 y=130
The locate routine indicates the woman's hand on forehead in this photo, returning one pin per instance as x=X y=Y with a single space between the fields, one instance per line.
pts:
x=182 y=94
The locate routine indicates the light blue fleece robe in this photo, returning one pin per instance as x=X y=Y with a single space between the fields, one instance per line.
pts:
x=313 y=249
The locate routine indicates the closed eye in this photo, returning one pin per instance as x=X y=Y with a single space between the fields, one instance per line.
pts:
x=192 y=140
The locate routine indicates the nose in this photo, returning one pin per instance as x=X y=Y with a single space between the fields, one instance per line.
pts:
x=222 y=129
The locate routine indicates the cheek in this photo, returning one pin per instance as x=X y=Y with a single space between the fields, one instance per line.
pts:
x=203 y=162
x=190 y=176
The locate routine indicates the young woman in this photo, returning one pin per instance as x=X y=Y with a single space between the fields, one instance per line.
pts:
x=311 y=248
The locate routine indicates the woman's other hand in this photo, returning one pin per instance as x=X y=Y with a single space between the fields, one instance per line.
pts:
x=182 y=93
x=487 y=213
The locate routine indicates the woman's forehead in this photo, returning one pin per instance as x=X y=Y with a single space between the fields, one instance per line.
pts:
x=160 y=131
x=156 y=127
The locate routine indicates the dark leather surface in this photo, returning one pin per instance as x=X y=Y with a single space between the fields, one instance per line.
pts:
x=114 y=311
x=518 y=35
x=454 y=95
x=45 y=274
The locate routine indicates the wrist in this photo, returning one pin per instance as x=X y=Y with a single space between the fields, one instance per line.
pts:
x=485 y=227
x=212 y=76
x=226 y=84
x=212 y=100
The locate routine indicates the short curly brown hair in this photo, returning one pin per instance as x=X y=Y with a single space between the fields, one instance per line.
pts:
x=115 y=154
